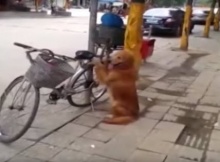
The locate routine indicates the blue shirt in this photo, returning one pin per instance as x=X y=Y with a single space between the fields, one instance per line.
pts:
x=112 y=20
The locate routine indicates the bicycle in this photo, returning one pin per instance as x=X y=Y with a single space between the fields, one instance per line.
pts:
x=48 y=70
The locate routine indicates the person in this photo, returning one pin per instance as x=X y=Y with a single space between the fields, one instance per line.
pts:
x=123 y=10
x=112 y=19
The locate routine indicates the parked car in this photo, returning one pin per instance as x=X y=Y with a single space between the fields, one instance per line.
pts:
x=165 y=20
x=200 y=15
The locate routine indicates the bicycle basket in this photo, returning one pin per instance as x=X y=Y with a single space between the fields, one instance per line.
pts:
x=48 y=72
x=114 y=35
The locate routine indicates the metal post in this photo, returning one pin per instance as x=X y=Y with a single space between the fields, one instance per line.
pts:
x=91 y=43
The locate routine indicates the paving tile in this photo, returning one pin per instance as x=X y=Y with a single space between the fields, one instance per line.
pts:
x=182 y=106
x=156 y=145
x=210 y=100
x=166 y=97
x=99 y=135
x=86 y=145
x=214 y=145
x=41 y=151
x=88 y=121
x=142 y=107
x=35 y=133
x=154 y=115
x=111 y=127
x=215 y=135
x=97 y=113
x=168 y=135
x=8 y=151
x=19 y=158
x=159 y=108
x=186 y=153
x=125 y=142
x=207 y=116
x=212 y=156
x=60 y=139
x=74 y=129
x=70 y=156
x=208 y=109
x=147 y=94
x=56 y=119
x=177 y=112
x=95 y=158
x=170 y=118
x=144 y=156
x=160 y=85
x=163 y=125
x=217 y=124
x=177 y=159
x=188 y=100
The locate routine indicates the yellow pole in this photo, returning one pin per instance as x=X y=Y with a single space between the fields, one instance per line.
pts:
x=184 y=42
x=209 y=20
x=66 y=4
x=217 y=18
x=36 y=5
x=133 y=34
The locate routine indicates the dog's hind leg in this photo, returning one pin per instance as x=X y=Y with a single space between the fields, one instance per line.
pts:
x=120 y=115
x=119 y=120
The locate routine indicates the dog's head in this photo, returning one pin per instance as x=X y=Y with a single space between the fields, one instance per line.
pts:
x=122 y=60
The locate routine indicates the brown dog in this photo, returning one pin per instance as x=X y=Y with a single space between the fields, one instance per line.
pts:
x=120 y=76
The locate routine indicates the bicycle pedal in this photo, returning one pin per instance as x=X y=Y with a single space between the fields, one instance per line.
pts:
x=51 y=102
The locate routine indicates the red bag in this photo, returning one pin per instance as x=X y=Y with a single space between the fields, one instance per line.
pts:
x=147 y=48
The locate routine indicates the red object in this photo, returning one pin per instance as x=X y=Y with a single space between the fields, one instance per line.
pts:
x=147 y=48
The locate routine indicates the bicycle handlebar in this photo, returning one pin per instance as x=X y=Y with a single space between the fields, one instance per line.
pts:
x=31 y=49
x=49 y=52
x=22 y=45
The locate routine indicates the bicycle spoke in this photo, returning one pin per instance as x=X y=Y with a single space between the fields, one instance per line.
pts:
x=17 y=114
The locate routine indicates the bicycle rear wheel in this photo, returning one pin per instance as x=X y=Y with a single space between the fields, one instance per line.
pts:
x=80 y=85
x=13 y=111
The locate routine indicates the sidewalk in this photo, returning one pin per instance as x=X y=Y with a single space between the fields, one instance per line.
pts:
x=180 y=108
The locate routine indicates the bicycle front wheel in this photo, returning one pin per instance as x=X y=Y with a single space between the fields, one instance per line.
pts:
x=15 y=115
x=81 y=85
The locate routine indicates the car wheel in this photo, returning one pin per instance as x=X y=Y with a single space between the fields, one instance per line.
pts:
x=191 y=28
x=178 y=32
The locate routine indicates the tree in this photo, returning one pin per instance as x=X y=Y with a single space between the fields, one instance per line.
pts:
x=217 y=18
x=209 y=19
x=133 y=34
x=186 y=26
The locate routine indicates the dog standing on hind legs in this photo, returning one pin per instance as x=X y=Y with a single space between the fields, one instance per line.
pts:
x=119 y=75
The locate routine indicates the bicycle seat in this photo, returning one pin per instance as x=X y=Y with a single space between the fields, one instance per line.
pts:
x=84 y=55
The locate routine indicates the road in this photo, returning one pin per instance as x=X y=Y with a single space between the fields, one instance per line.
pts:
x=63 y=35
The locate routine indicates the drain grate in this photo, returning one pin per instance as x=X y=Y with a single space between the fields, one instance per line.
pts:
x=197 y=131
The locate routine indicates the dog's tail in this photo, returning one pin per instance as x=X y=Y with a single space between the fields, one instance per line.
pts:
x=119 y=120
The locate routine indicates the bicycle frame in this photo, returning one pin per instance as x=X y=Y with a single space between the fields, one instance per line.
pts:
x=68 y=83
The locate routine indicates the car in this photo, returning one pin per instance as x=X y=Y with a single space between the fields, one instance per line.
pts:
x=169 y=20
x=199 y=16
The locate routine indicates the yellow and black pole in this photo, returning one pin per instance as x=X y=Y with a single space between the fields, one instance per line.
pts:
x=133 y=35
x=186 y=26
x=209 y=19
x=217 y=18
